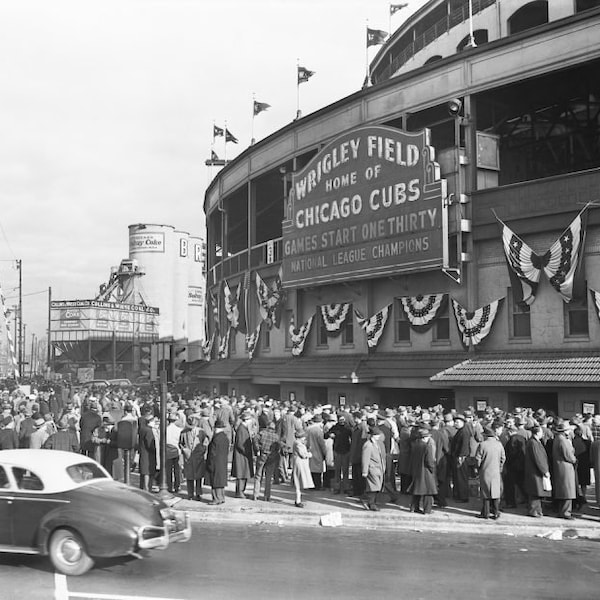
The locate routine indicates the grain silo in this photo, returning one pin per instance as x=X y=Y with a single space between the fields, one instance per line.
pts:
x=195 y=297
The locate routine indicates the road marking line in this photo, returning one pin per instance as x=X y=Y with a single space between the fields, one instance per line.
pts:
x=60 y=587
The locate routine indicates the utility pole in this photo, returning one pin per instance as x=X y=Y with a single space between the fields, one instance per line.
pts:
x=20 y=310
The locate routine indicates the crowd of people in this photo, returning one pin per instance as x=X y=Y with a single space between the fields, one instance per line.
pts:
x=434 y=455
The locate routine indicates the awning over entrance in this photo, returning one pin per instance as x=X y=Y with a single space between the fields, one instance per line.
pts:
x=217 y=369
x=528 y=369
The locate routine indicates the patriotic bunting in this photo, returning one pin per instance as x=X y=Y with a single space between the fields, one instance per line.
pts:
x=270 y=299
x=563 y=259
x=231 y=304
x=373 y=326
x=252 y=340
x=561 y=263
x=11 y=344
x=421 y=311
x=298 y=336
x=224 y=344
x=475 y=326
x=207 y=347
x=334 y=315
x=596 y=299
x=244 y=286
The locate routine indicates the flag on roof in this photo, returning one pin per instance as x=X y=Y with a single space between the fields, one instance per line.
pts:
x=304 y=74
x=229 y=137
x=217 y=131
x=375 y=37
x=213 y=155
x=394 y=8
x=260 y=107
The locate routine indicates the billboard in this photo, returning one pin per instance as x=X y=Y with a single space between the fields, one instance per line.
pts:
x=370 y=203
x=97 y=316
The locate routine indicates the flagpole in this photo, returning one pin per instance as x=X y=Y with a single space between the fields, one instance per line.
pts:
x=367 y=78
x=297 y=89
x=252 y=128
x=225 y=138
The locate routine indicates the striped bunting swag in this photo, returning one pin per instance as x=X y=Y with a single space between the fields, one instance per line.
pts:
x=252 y=340
x=373 y=326
x=421 y=311
x=334 y=315
x=298 y=336
x=11 y=344
x=475 y=326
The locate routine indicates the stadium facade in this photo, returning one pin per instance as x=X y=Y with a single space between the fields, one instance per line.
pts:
x=431 y=238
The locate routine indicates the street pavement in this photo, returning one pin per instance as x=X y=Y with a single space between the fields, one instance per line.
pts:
x=325 y=509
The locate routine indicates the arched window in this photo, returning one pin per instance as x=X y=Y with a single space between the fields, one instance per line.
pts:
x=480 y=36
x=433 y=59
x=528 y=16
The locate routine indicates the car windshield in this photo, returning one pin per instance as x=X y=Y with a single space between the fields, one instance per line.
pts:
x=85 y=472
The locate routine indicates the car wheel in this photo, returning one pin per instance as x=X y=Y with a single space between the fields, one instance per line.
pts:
x=68 y=554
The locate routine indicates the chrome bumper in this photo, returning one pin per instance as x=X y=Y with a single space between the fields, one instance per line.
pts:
x=176 y=528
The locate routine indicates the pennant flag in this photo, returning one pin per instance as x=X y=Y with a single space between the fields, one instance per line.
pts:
x=524 y=266
x=304 y=74
x=243 y=289
x=298 y=336
x=373 y=326
x=213 y=155
x=475 y=326
x=217 y=132
x=231 y=305
x=229 y=137
x=394 y=8
x=252 y=340
x=421 y=311
x=562 y=261
x=375 y=37
x=334 y=315
x=260 y=107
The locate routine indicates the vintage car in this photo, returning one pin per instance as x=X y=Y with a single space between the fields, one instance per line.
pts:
x=66 y=506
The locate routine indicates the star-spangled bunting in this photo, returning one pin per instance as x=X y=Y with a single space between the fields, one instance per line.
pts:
x=304 y=74
x=243 y=294
x=260 y=107
x=252 y=340
x=596 y=298
x=334 y=315
x=231 y=304
x=375 y=37
x=421 y=311
x=298 y=336
x=224 y=344
x=208 y=346
x=374 y=325
x=270 y=299
x=560 y=263
x=475 y=326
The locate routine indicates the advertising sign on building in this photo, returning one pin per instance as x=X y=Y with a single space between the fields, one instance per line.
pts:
x=146 y=242
x=370 y=203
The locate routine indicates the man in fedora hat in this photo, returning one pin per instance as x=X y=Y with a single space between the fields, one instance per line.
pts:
x=490 y=459
x=423 y=486
x=373 y=467
x=563 y=461
x=242 y=467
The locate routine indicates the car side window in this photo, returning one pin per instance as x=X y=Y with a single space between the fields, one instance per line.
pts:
x=26 y=480
x=4 y=483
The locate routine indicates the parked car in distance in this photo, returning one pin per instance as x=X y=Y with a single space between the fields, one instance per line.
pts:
x=66 y=506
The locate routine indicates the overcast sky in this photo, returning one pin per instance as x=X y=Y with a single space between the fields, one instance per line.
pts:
x=107 y=110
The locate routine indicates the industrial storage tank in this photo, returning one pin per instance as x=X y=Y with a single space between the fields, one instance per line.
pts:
x=155 y=247
x=195 y=297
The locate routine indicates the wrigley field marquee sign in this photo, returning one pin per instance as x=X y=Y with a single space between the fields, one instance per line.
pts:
x=371 y=203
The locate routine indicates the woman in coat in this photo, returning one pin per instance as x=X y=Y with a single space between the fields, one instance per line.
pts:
x=242 y=467
x=373 y=467
x=216 y=463
x=147 y=450
x=422 y=470
x=564 y=461
x=536 y=469
x=301 y=475
x=193 y=442
x=490 y=458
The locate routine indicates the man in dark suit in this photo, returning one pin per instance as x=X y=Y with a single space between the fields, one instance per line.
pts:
x=216 y=462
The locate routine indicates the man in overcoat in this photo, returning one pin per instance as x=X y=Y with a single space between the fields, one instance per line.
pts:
x=460 y=448
x=373 y=467
x=315 y=442
x=147 y=450
x=423 y=486
x=242 y=467
x=563 y=461
x=216 y=462
x=490 y=459
x=536 y=469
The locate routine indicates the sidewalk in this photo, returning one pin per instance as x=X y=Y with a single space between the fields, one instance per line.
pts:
x=281 y=511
